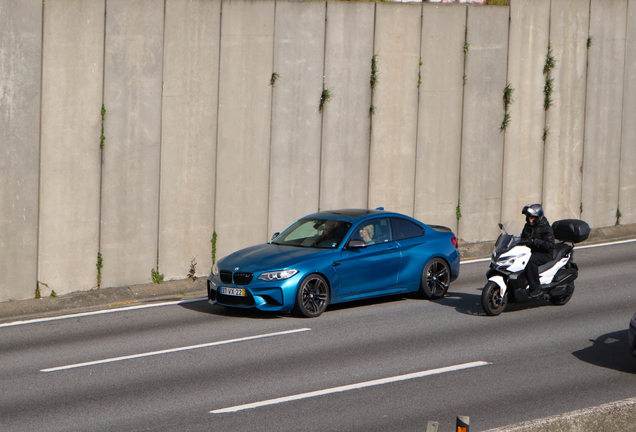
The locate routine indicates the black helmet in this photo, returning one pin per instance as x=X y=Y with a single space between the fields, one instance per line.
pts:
x=534 y=210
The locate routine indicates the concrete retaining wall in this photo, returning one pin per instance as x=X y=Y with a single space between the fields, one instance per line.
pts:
x=482 y=142
x=20 y=93
x=395 y=103
x=70 y=175
x=604 y=112
x=188 y=136
x=198 y=141
x=524 y=147
x=565 y=119
x=439 y=131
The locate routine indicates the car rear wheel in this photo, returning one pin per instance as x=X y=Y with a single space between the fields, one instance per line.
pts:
x=435 y=279
x=312 y=296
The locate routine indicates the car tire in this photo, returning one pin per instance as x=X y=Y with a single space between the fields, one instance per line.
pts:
x=491 y=301
x=312 y=296
x=435 y=279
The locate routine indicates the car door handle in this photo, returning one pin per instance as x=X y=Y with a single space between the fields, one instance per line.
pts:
x=336 y=263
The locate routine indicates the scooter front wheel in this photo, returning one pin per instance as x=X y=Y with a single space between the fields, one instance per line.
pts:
x=491 y=300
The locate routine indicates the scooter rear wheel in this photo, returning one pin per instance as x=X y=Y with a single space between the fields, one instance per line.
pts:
x=491 y=300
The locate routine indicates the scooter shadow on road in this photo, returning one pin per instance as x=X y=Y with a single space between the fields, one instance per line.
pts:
x=610 y=351
x=470 y=304
x=465 y=303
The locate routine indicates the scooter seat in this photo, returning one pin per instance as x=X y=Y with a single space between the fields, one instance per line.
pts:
x=558 y=252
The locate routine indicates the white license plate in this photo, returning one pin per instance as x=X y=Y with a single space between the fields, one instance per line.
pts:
x=239 y=292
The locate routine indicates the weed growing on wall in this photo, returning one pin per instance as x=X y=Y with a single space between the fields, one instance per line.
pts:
x=275 y=76
x=507 y=101
x=193 y=270
x=37 y=292
x=102 y=138
x=53 y=294
x=618 y=215
x=371 y=110
x=325 y=97
x=546 y=132
x=100 y=264
x=589 y=41
x=550 y=63
x=374 y=71
x=458 y=211
x=156 y=276
x=213 y=241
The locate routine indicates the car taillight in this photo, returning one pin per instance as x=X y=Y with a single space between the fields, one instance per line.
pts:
x=454 y=242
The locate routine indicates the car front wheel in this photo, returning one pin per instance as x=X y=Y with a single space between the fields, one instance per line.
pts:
x=312 y=296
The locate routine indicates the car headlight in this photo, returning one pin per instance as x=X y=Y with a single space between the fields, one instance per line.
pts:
x=277 y=275
x=215 y=270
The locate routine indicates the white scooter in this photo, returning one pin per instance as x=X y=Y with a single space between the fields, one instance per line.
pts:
x=506 y=282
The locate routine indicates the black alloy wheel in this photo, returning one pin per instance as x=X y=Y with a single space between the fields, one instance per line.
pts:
x=312 y=297
x=435 y=279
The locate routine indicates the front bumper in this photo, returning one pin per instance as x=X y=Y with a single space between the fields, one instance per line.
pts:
x=265 y=296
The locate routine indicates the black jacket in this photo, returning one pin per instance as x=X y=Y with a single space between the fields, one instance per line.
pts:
x=539 y=237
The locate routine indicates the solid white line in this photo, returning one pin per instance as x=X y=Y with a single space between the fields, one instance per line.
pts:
x=173 y=350
x=579 y=247
x=606 y=244
x=100 y=312
x=351 y=387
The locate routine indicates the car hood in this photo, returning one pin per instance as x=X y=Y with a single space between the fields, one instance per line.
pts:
x=268 y=256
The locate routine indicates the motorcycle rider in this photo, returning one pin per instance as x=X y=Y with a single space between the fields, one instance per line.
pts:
x=539 y=237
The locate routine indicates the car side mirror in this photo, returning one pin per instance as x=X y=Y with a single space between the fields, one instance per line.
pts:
x=356 y=244
x=276 y=234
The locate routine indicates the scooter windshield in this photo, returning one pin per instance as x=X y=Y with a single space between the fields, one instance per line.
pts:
x=509 y=237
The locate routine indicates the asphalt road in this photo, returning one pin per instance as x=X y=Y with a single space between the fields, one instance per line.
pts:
x=386 y=365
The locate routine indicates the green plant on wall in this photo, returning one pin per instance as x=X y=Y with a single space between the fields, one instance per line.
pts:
x=507 y=101
x=589 y=41
x=37 y=291
x=325 y=96
x=546 y=132
x=374 y=71
x=275 y=76
x=371 y=110
x=193 y=270
x=102 y=138
x=213 y=241
x=156 y=276
x=550 y=63
x=100 y=264
x=618 y=215
x=458 y=211
x=53 y=294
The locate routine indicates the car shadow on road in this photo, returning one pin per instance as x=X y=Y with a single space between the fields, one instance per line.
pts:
x=204 y=307
x=610 y=351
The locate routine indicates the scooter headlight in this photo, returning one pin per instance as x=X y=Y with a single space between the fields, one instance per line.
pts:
x=505 y=262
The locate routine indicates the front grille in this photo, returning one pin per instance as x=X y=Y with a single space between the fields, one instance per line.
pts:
x=243 y=278
x=226 y=276
x=240 y=278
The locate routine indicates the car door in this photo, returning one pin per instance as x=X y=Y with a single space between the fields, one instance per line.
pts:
x=415 y=253
x=372 y=269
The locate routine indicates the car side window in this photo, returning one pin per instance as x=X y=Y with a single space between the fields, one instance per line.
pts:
x=404 y=229
x=373 y=232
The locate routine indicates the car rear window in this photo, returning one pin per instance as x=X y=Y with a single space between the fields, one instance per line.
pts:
x=404 y=229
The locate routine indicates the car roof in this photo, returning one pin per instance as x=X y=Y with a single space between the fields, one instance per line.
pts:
x=351 y=215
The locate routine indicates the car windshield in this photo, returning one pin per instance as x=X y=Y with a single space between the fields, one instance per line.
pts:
x=315 y=233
